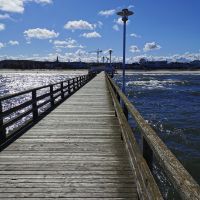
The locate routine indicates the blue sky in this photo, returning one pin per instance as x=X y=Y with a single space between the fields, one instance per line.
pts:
x=42 y=29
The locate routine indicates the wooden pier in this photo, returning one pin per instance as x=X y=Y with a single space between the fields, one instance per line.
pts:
x=85 y=149
x=74 y=152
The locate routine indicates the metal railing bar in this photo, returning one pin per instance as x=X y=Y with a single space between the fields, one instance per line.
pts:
x=9 y=96
x=16 y=108
x=12 y=121
x=42 y=96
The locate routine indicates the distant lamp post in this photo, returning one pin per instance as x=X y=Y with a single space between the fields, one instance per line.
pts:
x=98 y=53
x=110 y=53
x=124 y=14
x=103 y=59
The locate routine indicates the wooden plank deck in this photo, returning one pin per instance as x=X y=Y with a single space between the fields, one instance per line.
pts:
x=75 y=152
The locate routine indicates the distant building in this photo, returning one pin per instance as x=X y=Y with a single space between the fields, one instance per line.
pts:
x=57 y=60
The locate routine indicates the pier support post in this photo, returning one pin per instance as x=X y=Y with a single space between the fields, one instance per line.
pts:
x=77 y=82
x=62 y=92
x=147 y=154
x=2 y=129
x=125 y=111
x=73 y=84
x=68 y=85
x=34 y=105
x=51 y=95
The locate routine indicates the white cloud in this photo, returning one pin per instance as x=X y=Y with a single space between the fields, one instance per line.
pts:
x=1 y=45
x=131 y=6
x=13 y=42
x=5 y=16
x=42 y=1
x=151 y=46
x=39 y=33
x=68 y=43
x=107 y=13
x=12 y=6
x=186 y=57
x=91 y=35
x=135 y=35
x=91 y=57
x=116 y=27
x=134 y=49
x=17 y=6
x=79 y=25
x=119 y=21
x=2 y=27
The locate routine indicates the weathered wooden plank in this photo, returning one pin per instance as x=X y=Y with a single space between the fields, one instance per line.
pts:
x=72 y=194
x=68 y=189
x=108 y=185
x=85 y=198
x=69 y=166
x=71 y=180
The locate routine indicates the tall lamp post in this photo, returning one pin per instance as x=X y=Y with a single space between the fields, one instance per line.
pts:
x=125 y=13
x=110 y=53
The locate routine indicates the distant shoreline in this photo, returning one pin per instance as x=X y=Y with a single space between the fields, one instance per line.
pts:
x=84 y=71
x=141 y=66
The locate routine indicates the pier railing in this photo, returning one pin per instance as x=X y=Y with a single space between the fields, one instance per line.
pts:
x=33 y=105
x=152 y=147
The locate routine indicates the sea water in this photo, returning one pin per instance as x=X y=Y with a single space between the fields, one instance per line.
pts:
x=170 y=103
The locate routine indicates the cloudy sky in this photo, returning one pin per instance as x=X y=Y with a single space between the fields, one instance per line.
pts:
x=73 y=29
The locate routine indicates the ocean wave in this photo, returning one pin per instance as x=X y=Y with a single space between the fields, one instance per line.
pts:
x=153 y=84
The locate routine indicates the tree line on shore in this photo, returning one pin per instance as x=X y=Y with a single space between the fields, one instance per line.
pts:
x=142 y=65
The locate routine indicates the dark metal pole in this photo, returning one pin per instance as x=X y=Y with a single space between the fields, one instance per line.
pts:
x=34 y=105
x=110 y=57
x=124 y=55
x=2 y=129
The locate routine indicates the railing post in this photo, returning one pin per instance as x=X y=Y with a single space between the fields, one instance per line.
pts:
x=51 y=95
x=2 y=129
x=125 y=110
x=68 y=85
x=147 y=153
x=34 y=105
x=73 y=84
x=118 y=97
x=86 y=78
x=81 y=80
x=62 y=92
x=77 y=82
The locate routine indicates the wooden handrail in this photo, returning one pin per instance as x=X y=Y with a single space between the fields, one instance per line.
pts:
x=183 y=182
x=51 y=98
x=146 y=185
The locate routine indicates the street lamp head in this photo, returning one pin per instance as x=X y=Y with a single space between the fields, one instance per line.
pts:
x=124 y=14
x=110 y=50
